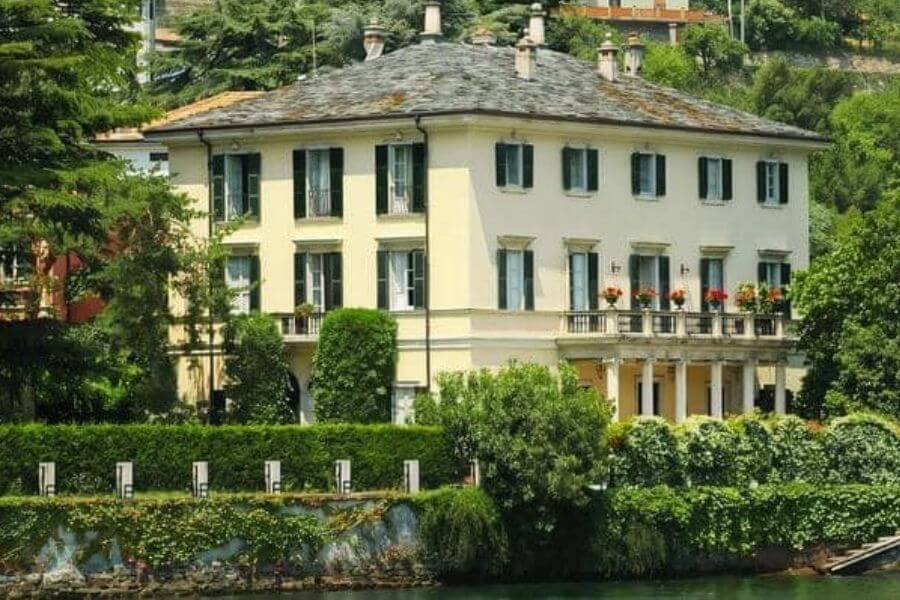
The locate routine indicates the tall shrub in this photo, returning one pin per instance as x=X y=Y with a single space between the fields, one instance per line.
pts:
x=256 y=371
x=645 y=453
x=754 y=449
x=797 y=452
x=354 y=365
x=709 y=451
x=863 y=449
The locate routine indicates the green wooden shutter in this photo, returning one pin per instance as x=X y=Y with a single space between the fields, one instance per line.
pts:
x=382 y=258
x=702 y=176
x=762 y=272
x=336 y=180
x=251 y=166
x=501 y=279
x=761 y=181
x=664 y=282
x=785 y=282
x=418 y=178
x=255 y=284
x=571 y=281
x=528 y=260
x=593 y=169
x=566 y=162
x=381 y=180
x=331 y=265
x=636 y=173
x=299 y=278
x=527 y=166
x=634 y=276
x=500 y=163
x=418 y=264
x=727 y=186
x=783 y=183
x=660 y=174
x=704 y=284
x=299 y=184
x=218 y=183
x=593 y=280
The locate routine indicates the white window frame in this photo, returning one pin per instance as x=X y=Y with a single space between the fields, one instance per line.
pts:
x=773 y=182
x=313 y=204
x=717 y=193
x=407 y=276
x=406 y=416
x=655 y=302
x=315 y=261
x=585 y=281
x=518 y=285
x=240 y=304
x=402 y=204
x=520 y=149
x=582 y=153
x=651 y=156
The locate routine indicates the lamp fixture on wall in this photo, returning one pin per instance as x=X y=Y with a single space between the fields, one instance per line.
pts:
x=614 y=267
x=685 y=269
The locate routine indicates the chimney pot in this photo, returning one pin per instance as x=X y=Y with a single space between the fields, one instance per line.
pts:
x=607 y=65
x=373 y=40
x=432 y=31
x=536 y=24
x=634 y=54
x=526 y=58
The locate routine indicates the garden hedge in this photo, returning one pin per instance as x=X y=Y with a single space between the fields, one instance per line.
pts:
x=750 y=450
x=85 y=455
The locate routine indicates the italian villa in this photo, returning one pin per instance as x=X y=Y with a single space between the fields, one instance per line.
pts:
x=487 y=197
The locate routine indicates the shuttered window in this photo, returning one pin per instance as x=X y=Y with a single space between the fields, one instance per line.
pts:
x=648 y=175
x=714 y=175
x=242 y=276
x=771 y=182
x=514 y=164
x=515 y=272
x=400 y=179
x=580 y=169
x=236 y=186
x=401 y=280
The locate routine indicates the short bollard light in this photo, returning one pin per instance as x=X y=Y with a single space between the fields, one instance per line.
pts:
x=47 y=479
x=200 y=479
x=273 y=476
x=411 y=476
x=342 y=476
x=124 y=480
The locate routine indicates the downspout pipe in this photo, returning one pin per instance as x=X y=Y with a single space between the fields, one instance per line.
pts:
x=210 y=208
x=427 y=256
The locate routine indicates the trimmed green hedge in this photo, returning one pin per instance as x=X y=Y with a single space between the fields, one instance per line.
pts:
x=750 y=450
x=85 y=455
x=642 y=530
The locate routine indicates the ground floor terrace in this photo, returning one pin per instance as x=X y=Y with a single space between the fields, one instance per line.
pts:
x=669 y=363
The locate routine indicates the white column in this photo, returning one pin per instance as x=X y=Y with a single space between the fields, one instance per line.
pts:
x=716 y=409
x=780 y=387
x=680 y=391
x=748 y=382
x=647 y=387
x=612 y=385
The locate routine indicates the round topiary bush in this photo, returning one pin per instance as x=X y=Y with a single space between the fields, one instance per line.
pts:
x=754 y=451
x=645 y=453
x=709 y=452
x=863 y=448
x=354 y=365
x=797 y=451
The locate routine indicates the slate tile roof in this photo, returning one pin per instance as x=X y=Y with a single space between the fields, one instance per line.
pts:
x=456 y=78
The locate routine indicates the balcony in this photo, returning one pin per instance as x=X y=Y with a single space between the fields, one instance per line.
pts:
x=300 y=328
x=658 y=14
x=677 y=324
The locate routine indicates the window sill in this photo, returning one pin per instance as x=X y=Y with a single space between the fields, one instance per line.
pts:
x=579 y=193
x=407 y=311
x=643 y=198
x=772 y=205
x=513 y=189
x=410 y=216
x=714 y=202
x=319 y=219
x=253 y=221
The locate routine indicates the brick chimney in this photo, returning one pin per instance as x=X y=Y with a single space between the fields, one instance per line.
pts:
x=432 y=32
x=526 y=58
x=607 y=65
x=373 y=40
x=634 y=55
x=536 y=24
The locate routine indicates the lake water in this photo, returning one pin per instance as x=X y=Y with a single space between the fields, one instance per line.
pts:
x=775 y=587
